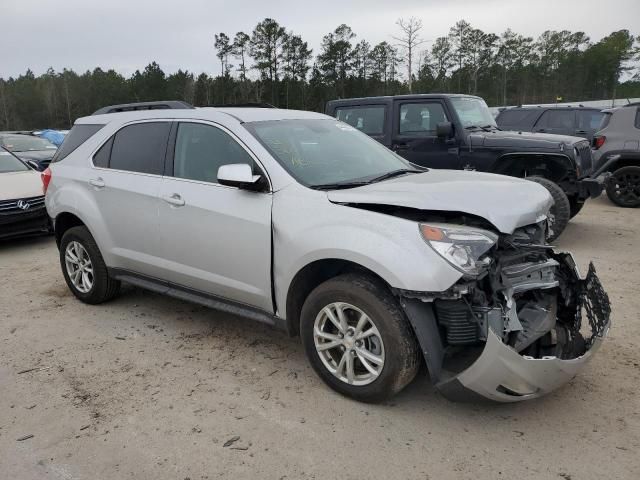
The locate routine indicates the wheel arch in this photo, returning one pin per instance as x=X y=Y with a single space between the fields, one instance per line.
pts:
x=555 y=167
x=63 y=222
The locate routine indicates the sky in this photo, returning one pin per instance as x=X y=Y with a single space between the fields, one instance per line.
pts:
x=128 y=34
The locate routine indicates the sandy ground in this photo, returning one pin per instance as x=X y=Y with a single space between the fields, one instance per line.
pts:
x=151 y=387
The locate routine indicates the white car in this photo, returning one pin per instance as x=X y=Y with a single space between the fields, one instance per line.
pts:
x=22 y=210
x=301 y=221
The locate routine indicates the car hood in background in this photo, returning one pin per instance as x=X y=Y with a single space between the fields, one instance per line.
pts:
x=16 y=185
x=498 y=138
x=507 y=202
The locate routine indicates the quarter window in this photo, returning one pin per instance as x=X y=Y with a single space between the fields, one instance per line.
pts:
x=101 y=157
x=638 y=118
x=141 y=148
x=202 y=149
x=369 y=119
x=421 y=118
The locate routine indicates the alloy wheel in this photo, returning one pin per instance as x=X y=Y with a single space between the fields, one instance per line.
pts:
x=79 y=267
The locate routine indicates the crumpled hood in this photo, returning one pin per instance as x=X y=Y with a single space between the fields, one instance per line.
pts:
x=16 y=185
x=497 y=138
x=507 y=202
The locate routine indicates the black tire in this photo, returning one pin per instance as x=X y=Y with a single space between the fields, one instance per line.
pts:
x=402 y=354
x=623 y=188
x=575 y=205
x=104 y=287
x=560 y=211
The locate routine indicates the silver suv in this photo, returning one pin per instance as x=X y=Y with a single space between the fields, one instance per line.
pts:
x=298 y=220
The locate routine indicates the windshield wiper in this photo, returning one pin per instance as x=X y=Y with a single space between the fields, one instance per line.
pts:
x=394 y=173
x=486 y=128
x=338 y=185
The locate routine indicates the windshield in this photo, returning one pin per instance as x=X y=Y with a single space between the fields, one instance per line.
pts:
x=326 y=152
x=25 y=143
x=473 y=112
x=9 y=163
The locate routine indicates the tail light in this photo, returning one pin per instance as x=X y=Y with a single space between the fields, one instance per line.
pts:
x=46 y=179
x=599 y=141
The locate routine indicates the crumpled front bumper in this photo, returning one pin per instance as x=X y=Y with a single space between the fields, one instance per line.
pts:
x=503 y=375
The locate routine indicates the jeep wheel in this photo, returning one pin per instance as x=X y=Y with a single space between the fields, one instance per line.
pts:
x=623 y=187
x=560 y=212
x=84 y=269
x=357 y=338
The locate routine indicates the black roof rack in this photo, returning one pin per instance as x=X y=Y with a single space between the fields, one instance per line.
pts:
x=130 y=107
x=242 y=105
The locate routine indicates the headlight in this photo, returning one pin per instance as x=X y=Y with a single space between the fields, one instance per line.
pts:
x=461 y=246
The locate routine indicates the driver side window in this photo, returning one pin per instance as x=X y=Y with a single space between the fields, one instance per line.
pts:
x=421 y=118
x=202 y=149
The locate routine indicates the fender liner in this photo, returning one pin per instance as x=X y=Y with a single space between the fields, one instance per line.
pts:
x=423 y=321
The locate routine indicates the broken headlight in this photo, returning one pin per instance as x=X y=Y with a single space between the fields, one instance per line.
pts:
x=462 y=247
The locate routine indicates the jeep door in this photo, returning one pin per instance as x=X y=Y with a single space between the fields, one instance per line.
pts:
x=215 y=239
x=414 y=134
x=125 y=181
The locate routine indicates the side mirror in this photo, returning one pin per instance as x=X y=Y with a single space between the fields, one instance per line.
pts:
x=444 y=130
x=238 y=175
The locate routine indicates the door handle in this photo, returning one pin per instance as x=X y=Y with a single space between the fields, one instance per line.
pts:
x=581 y=131
x=400 y=146
x=542 y=130
x=97 y=182
x=174 y=199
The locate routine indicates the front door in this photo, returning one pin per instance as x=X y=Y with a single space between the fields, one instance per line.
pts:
x=414 y=134
x=215 y=239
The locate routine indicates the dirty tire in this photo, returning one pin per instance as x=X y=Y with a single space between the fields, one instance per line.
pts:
x=575 y=206
x=561 y=209
x=372 y=296
x=623 y=188
x=104 y=287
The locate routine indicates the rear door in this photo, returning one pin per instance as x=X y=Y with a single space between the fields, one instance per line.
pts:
x=125 y=183
x=559 y=121
x=414 y=133
x=215 y=239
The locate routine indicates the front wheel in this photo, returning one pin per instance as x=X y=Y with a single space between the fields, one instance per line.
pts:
x=623 y=187
x=560 y=212
x=357 y=338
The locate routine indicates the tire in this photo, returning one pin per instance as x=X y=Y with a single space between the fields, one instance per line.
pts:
x=102 y=287
x=393 y=342
x=575 y=206
x=560 y=212
x=623 y=188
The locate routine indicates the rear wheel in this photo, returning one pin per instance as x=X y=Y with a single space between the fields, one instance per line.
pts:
x=623 y=187
x=560 y=212
x=357 y=338
x=84 y=269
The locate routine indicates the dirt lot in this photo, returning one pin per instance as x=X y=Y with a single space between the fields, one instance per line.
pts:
x=151 y=387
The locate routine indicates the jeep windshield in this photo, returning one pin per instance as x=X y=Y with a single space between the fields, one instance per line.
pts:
x=473 y=113
x=327 y=154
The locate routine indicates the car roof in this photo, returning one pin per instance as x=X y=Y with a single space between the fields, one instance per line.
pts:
x=386 y=98
x=242 y=115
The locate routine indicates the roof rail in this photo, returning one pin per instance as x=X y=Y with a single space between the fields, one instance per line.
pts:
x=242 y=105
x=130 y=107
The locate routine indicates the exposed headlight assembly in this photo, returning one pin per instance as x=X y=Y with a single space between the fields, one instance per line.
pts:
x=462 y=247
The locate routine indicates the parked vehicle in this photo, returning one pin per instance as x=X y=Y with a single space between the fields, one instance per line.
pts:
x=458 y=132
x=35 y=151
x=22 y=210
x=576 y=121
x=300 y=221
x=617 y=150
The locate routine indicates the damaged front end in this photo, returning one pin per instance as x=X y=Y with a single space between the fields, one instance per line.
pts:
x=523 y=326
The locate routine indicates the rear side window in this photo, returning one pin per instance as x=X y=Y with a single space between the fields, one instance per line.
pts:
x=638 y=118
x=140 y=148
x=517 y=118
x=589 y=119
x=557 y=119
x=77 y=136
x=367 y=119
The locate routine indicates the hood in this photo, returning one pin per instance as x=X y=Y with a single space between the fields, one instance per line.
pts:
x=498 y=138
x=507 y=202
x=16 y=185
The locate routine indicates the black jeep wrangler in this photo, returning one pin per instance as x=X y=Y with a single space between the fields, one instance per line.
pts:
x=458 y=132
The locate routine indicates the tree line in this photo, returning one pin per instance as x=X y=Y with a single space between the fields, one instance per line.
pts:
x=275 y=65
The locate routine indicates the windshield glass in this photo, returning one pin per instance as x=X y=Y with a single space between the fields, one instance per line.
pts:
x=9 y=163
x=323 y=152
x=25 y=143
x=473 y=112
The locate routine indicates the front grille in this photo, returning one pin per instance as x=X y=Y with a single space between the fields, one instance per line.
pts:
x=586 y=159
x=21 y=205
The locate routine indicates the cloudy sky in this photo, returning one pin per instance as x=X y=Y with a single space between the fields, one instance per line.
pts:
x=128 y=34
